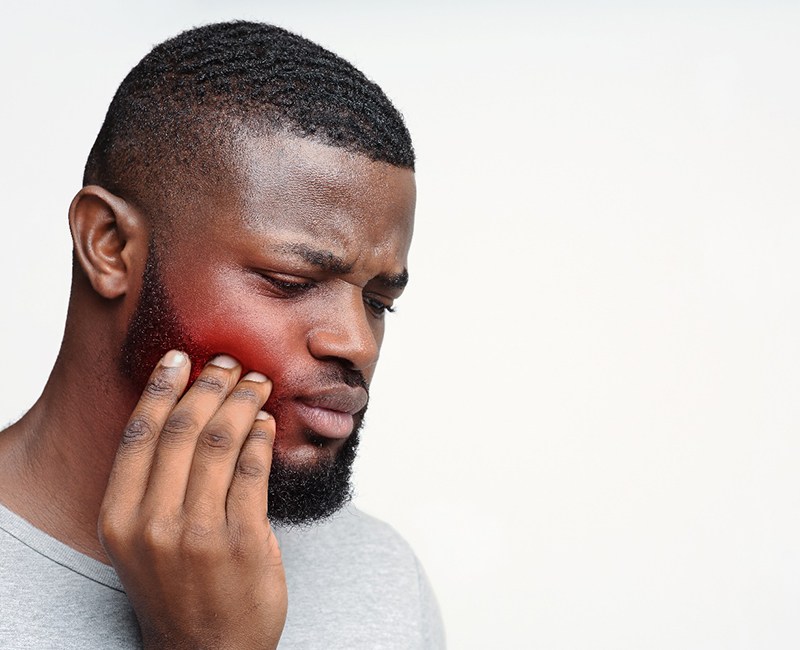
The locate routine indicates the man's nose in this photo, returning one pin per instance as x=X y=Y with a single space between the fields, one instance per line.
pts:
x=346 y=332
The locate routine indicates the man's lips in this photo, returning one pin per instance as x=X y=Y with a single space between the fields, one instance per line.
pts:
x=330 y=412
x=344 y=399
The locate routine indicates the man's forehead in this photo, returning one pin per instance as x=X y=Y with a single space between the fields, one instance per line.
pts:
x=282 y=162
x=298 y=182
x=278 y=189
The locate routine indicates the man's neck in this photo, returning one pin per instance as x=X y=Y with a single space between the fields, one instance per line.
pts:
x=55 y=461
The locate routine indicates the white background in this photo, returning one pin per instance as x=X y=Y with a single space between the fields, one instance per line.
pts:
x=586 y=419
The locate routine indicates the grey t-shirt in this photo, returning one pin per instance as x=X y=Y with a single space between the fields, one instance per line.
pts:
x=353 y=583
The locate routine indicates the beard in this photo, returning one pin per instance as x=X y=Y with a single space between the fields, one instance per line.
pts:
x=298 y=493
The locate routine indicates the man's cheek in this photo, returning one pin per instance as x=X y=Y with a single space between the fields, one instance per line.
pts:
x=253 y=352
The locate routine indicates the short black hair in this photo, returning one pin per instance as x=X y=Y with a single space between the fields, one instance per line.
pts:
x=174 y=112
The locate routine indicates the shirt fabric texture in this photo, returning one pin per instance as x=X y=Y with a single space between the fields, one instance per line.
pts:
x=353 y=584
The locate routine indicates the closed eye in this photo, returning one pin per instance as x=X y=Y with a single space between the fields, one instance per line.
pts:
x=378 y=307
x=287 y=285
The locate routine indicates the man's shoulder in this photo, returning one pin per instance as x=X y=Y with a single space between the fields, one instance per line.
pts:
x=349 y=534
x=354 y=582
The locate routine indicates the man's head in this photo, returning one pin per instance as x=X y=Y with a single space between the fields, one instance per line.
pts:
x=179 y=115
x=252 y=194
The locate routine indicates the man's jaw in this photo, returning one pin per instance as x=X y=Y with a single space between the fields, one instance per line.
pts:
x=301 y=491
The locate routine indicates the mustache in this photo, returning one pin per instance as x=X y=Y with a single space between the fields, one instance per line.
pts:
x=342 y=375
x=320 y=379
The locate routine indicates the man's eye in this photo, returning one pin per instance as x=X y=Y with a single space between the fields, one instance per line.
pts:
x=377 y=307
x=287 y=286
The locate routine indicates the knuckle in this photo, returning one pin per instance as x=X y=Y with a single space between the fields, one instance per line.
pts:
x=249 y=468
x=246 y=394
x=158 y=387
x=245 y=539
x=157 y=534
x=178 y=425
x=216 y=439
x=200 y=530
x=210 y=384
x=109 y=532
x=199 y=538
x=237 y=535
x=138 y=430
x=261 y=435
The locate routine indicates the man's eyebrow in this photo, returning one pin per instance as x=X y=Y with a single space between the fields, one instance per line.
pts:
x=332 y=263
x=394 y=281
x=325 y=260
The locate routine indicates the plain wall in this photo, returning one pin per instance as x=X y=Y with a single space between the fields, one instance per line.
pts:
x=586 y=417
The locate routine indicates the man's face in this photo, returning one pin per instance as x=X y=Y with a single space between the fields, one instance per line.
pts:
x=288 y=266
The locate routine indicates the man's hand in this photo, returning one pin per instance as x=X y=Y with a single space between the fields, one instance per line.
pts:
x=184 y=518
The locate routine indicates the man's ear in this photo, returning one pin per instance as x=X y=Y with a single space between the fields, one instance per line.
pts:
x=110 y=239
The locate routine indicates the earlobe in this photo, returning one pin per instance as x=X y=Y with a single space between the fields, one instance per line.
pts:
x=107 y=233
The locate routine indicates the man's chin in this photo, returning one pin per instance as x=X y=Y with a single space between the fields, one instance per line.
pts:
x=304 y=488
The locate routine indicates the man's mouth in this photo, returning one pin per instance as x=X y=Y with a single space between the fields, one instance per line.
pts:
x=330 y=412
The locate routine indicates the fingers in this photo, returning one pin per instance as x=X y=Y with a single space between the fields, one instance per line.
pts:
x=129 y=474
x=190 y=572
x=220 y=444
x=172 y=462
x=247 y=496
x=189 y=459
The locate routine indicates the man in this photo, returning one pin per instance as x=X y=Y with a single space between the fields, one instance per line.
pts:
x=242 y=231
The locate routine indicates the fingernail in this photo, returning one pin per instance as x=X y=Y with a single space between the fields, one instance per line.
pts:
x=255 y=376
x=174 y=359
x=263 y=415
x=224 y=361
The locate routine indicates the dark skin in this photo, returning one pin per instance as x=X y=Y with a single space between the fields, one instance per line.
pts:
x=286 y=266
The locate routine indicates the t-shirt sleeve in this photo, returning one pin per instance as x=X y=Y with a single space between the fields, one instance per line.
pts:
x=432 y=627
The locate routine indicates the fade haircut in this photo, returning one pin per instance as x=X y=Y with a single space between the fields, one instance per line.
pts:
x=175 y=119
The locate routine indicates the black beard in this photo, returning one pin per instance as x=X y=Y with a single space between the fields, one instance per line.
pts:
x=298 y=494
x=302 y=495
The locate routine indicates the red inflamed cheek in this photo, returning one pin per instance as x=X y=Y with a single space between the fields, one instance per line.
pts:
x=260 y=339
x=249 y=354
